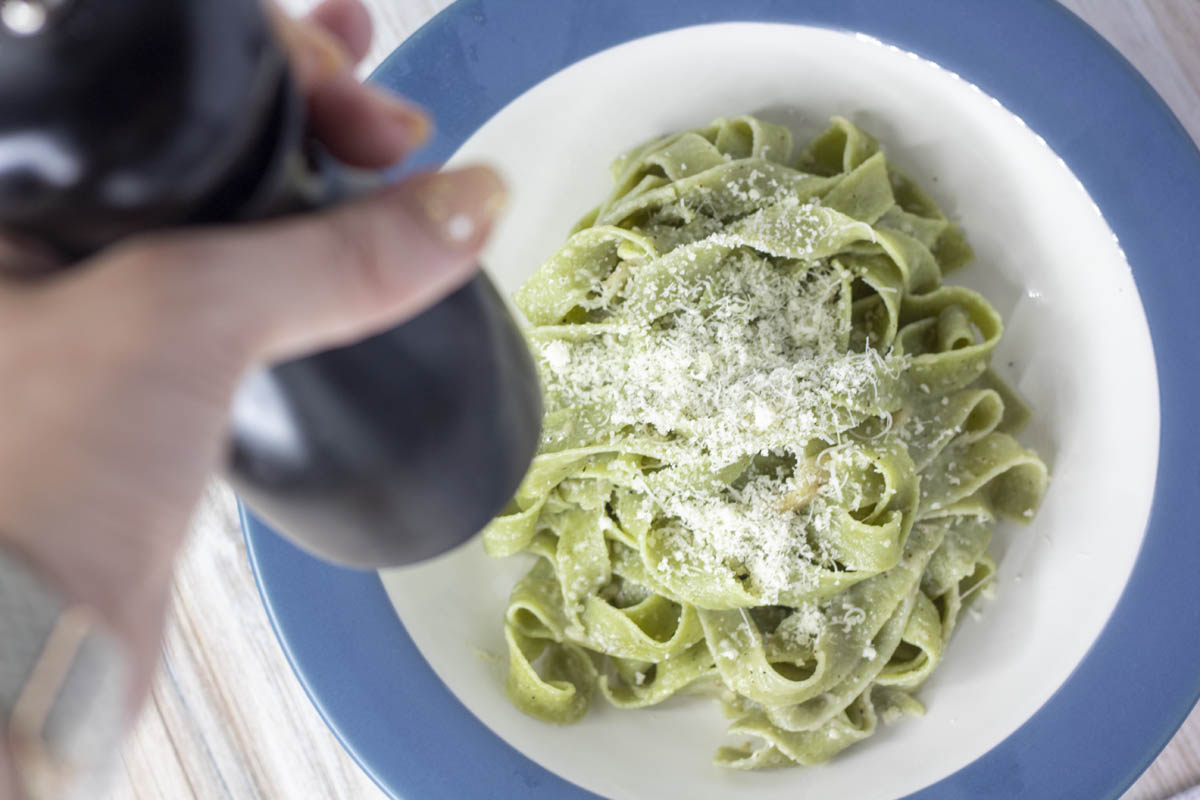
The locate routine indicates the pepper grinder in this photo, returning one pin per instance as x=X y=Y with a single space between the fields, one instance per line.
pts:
x=123 y=117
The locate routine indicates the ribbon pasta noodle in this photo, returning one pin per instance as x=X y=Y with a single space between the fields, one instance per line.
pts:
x=773 y=451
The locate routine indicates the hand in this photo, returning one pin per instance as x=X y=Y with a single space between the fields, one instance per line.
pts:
x=117 y=375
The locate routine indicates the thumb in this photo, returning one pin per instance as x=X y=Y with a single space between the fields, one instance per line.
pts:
x=323 y=280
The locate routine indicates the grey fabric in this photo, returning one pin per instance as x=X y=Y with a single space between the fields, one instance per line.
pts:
x=28 y=611
x=88 y=717
x=84 y=726
x=1188 y=794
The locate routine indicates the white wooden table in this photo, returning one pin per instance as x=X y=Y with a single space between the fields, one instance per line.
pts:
x=227 y=719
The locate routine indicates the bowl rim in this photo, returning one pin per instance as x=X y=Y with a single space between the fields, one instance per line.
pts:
x=1138 y=164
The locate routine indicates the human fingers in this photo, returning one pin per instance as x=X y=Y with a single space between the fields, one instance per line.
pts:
x=285 y=288
x=360 y=124
x=317 y=55
x=363 y=125
x=349 y=22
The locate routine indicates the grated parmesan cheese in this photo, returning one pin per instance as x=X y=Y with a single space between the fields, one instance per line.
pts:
x=750 y=359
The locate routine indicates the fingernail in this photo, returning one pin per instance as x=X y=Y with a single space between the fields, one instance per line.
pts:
x=462 y=204
x=316 y=55
x=414 y=124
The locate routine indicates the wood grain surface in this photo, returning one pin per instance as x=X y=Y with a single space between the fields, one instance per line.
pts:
x=227 y=718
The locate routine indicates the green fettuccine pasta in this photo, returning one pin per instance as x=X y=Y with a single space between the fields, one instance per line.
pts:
x=773 y=451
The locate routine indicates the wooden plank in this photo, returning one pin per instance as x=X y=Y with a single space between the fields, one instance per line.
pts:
x=226 y=717
x=1161 y=38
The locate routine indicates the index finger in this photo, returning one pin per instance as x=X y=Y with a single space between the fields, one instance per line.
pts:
x=317 y=55
x=362 y=125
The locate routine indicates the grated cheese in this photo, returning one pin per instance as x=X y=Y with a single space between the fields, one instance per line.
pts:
x=750 y=359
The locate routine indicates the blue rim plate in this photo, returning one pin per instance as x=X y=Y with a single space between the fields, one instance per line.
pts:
x=1136 y=684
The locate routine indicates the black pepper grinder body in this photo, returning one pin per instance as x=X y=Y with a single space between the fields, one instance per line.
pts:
x=122 y=117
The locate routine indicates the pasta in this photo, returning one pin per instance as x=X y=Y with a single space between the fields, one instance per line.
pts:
x=773 y=450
